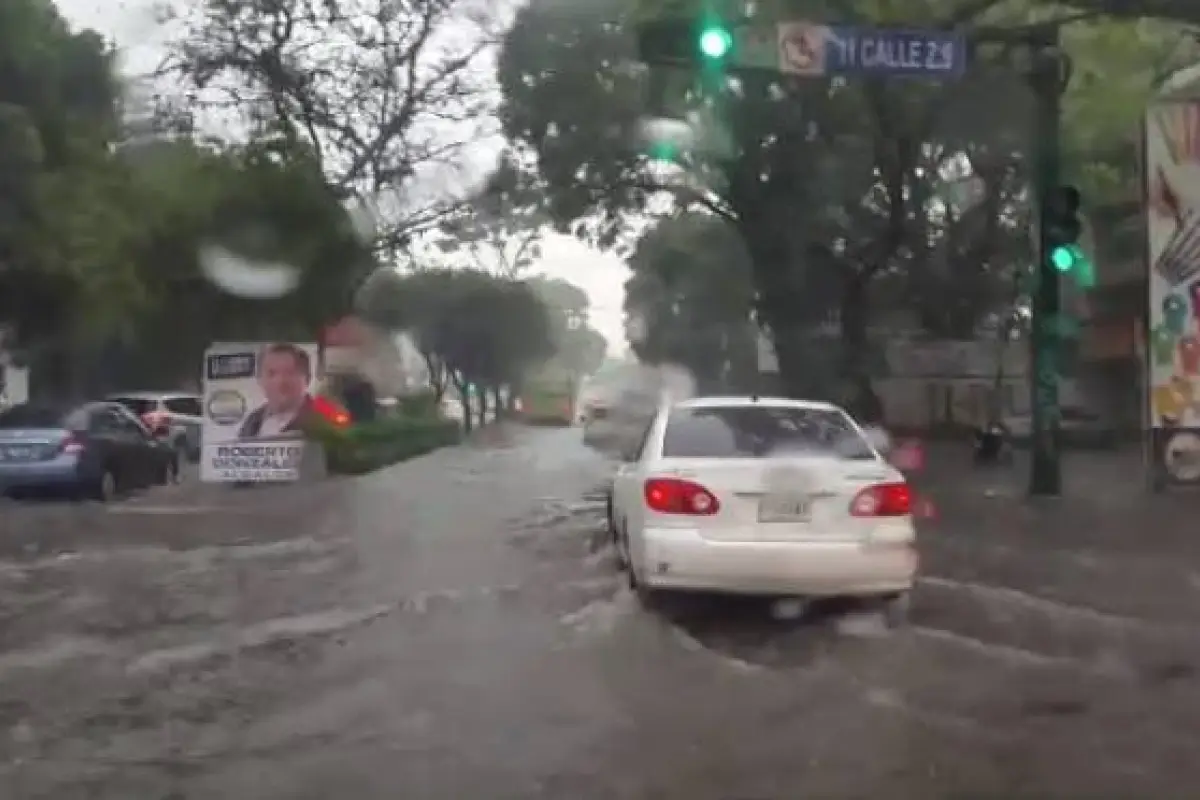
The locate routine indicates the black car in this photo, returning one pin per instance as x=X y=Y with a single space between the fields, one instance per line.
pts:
x=96 y=450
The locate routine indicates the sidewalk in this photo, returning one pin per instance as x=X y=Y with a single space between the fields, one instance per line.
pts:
x=1106 y=505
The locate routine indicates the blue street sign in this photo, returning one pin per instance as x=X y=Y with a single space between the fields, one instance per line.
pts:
x=806 y=48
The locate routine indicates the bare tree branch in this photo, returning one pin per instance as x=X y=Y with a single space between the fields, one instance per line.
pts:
x=369 y=87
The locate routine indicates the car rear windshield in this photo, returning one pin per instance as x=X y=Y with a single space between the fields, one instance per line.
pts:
x=760 y=431
x=32 y=416
x=138 y=405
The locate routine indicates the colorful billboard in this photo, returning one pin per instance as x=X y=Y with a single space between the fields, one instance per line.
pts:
x=1172 y=180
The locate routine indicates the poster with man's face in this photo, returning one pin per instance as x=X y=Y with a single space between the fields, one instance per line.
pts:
x=257 y=403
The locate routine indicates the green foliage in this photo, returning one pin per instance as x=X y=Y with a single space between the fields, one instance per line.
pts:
x=578 y=348
x=690 y=298
x=838 y=189
x=57 y=116
x=499 y=228
x=257 y=204
x=483 y=329
x=421 y=404
x=389 y=440
x=101 y=239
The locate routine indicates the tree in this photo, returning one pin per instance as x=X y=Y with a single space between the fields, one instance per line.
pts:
x=58 y=114
x=692 y=298
x=378 y=91
x=107 y=241
x=197 y=208
x=412 y=303
x=474 y=329
x=1179 y=11
x=500 y=228
x=579 y=349
x=836 y=188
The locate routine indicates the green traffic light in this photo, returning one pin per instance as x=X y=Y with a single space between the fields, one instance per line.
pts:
x=663 y=151
x=1063 y=258
x=1070 y=259
x=715 y=42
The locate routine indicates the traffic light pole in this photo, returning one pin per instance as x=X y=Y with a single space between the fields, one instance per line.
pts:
x=1048 y=79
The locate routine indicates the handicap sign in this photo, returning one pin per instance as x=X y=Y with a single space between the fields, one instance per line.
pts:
x=802 y=48
x=810 y=49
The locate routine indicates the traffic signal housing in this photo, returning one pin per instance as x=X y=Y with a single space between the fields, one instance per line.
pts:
x=680 y=41
x=1062 y=228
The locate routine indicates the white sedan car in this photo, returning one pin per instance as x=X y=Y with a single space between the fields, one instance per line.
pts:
x=763 y=496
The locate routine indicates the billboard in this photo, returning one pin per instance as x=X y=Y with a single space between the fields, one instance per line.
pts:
x=257 y=399
x=1172 y=208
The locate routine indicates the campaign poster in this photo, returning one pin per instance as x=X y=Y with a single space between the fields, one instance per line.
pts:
x=1172 y=207
x=257 y=399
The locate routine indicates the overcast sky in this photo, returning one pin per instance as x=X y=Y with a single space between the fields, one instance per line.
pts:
x=131 y=24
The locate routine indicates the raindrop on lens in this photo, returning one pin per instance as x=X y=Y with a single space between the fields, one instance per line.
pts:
x=243 y=277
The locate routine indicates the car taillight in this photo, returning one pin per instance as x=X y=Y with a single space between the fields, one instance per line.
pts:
x=882 y=500
x=331 y=411
x=71 y=446
x=677 y=496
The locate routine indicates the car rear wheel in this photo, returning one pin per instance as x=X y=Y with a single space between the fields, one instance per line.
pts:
x=896 y=609
x=646 y=595
x=106 y=486
x=614 y=535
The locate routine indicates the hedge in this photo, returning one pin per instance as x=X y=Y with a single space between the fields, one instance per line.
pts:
x=420 y=404
x=369 y=446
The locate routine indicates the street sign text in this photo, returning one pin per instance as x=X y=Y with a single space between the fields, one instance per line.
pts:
x=805 y=48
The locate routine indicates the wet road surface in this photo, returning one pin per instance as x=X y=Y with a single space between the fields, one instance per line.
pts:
x=453 y=628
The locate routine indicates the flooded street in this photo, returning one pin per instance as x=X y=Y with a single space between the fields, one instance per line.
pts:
x=454 y=627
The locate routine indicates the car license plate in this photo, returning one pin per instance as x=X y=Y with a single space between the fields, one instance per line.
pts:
x=785 y=508
x=18 y=453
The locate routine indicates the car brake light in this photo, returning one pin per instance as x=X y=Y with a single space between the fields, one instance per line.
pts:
x=882 y=500
x=331 y=411
x=71 y=446
x=677 y=496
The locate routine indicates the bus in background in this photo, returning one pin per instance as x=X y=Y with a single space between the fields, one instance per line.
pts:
x=548 y=400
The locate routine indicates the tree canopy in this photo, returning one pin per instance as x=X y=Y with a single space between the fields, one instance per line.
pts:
x=845 y=193
x=500 y=227
x=105 y=239
x=381 y=93
x=473 y=328
x=58 y=114
x=578 y=348
x=688 y=301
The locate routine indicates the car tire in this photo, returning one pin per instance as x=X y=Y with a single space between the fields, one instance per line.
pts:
x=106 y=487
x=648 y=597
x=614 y=537
x=896 y=610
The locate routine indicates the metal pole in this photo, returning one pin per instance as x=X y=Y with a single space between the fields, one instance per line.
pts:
x=1045 y=476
